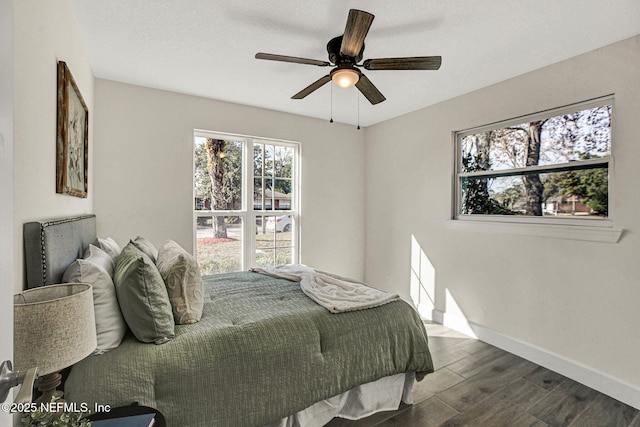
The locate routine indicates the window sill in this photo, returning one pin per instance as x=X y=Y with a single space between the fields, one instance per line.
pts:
x=567 y=232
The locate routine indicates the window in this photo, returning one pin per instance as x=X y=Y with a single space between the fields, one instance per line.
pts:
x=550 y=167
x=246 y=195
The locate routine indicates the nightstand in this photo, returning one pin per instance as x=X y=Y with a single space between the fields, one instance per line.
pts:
x=133 y=409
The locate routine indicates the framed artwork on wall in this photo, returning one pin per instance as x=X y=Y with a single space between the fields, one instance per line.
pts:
x=72 y=139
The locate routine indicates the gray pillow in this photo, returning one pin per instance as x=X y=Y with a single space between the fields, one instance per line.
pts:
x=143 y=296
x=147 y=247
x=181 y=275
x=96 y=269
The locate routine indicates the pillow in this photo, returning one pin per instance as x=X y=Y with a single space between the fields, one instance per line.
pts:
x=181 y=275
x=99 y=257
x=147 y=247
x=143 y=296
x=96 y=269
x=109 y=246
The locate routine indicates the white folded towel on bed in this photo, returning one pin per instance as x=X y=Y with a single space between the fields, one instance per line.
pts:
x=335 y=294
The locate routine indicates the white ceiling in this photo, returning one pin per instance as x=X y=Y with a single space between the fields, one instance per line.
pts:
x=207 y=47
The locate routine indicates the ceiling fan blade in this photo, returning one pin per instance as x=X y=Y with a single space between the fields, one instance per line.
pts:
x=371 y=92
x=293 y=59
x=408 y=63
x=356 y=30
x=312 y=87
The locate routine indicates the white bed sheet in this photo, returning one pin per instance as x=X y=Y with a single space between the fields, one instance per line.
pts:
x=362 y=401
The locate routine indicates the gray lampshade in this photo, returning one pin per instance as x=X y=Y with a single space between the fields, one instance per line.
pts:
x=54 y=327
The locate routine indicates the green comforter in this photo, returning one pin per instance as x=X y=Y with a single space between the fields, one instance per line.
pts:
x=262 y=351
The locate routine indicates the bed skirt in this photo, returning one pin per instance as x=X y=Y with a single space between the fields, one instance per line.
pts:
x=362 y=401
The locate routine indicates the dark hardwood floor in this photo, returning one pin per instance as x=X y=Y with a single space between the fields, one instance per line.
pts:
x=476 y=384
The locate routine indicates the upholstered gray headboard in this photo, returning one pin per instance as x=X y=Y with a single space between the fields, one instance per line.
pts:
x=52 y=245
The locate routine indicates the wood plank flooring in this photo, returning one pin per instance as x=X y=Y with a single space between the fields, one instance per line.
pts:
x=476 y=384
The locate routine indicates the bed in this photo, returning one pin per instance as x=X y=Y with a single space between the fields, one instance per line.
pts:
x=263 y=353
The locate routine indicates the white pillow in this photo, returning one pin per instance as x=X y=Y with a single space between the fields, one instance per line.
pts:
x=181 y=275
x=99 y=257
x=97 y=270
x=109 y=246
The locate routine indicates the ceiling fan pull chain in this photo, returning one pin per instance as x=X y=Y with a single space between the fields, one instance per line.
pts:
x=331 y=121
x=358 y=95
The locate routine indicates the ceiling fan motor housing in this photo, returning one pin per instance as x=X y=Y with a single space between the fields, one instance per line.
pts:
x=335 y=57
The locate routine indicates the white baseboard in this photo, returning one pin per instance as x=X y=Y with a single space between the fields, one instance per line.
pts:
x=614 y=387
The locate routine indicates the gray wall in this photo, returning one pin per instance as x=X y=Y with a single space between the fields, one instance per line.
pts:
x=44 y=33
x=572 y=305
x=144 y=170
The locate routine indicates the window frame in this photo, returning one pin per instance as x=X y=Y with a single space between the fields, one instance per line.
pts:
x=247 y=213
x=457 y=136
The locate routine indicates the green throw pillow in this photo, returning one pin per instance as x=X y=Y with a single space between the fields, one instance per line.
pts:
x=143 y=297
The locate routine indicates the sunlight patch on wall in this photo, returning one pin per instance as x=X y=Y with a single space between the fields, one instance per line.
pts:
x=423 y=293
x=454 y=316
x=423 y=280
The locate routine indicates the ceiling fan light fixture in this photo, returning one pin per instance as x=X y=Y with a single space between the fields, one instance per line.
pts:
x=345 y=77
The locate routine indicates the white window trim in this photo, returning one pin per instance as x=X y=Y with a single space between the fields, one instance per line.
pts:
x=247 y=214
x=295 y=201
x=555 y=231
x=586 y=229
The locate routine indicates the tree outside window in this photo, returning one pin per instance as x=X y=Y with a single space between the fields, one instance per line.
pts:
x=244 y=219
x=553 y=165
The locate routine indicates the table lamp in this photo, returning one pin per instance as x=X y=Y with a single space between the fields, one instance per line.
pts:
x=54 y=327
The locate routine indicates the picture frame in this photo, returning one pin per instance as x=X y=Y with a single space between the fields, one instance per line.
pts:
x=72 y=137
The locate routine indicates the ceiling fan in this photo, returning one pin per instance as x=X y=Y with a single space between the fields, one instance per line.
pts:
x=346 y=51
